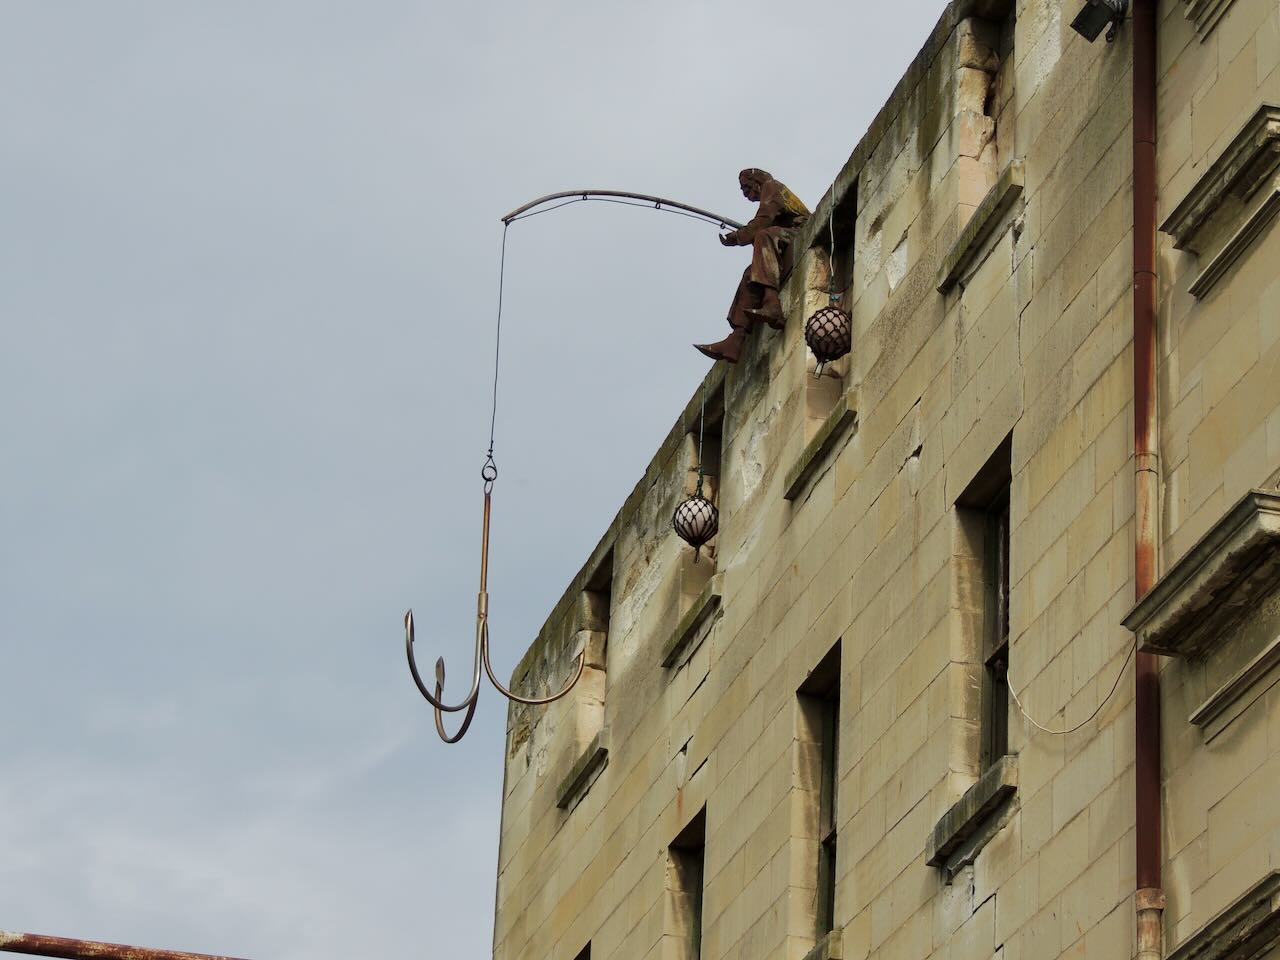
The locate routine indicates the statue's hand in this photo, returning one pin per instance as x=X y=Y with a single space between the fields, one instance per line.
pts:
x=729 y=239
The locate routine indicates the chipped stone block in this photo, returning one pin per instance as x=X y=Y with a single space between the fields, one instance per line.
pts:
x=978 y=40
x=830 y=947
x=972 y=89
x=975 y=131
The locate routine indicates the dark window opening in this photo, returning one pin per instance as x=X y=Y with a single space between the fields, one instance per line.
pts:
x=983 y=511
x=594 y=608
x=706 y=441
x=597 y=605
x=996 y=708
x=686 y=866
x=843 y=225
x=819 y=698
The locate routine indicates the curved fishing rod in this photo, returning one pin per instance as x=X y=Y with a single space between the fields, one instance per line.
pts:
x=489 y=473
x=659 y=203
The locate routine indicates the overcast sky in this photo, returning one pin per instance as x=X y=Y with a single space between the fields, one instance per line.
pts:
x=248 y=265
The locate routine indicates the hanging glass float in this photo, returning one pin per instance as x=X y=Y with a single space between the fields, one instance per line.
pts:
x=829 y=334
x=696 y=521
x=829 y=331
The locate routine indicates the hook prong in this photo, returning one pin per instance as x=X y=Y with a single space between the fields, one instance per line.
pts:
x=528 y=701
x=466 y=720
x=488 y=474
x=435 y=700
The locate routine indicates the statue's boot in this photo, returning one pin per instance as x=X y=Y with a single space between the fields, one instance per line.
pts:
x=770 y=310
x=727 y=349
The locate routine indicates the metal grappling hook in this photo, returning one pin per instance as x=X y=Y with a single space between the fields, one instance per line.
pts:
x=489 y=473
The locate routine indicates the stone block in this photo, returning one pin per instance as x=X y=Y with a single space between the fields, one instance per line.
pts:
x=1017 y=902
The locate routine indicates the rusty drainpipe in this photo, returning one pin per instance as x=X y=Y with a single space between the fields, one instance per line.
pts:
x=39 y=945
x=1149 y=899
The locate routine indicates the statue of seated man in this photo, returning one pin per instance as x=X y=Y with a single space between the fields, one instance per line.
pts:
x=777 y=219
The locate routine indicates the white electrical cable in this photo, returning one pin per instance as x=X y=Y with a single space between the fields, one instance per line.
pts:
x=1040 y=726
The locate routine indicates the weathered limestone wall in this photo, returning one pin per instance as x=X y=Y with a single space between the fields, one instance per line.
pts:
x=1219 y=395
x=999 y=171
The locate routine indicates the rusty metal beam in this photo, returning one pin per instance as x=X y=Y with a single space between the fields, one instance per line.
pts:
x=40 y=945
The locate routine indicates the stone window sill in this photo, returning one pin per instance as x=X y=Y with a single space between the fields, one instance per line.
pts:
x=830 y=947
x=1219 y=581
x=708 y=602
x=583 y=773
x=1247 y=928
x=988 y=214
x=965 y=829
x=829 y=434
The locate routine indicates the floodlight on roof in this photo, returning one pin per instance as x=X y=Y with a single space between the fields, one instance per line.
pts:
x=1099 y=14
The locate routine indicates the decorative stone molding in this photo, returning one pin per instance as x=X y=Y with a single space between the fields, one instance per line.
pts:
x=1238 y=243
x=708 y=602
x=830 y=947
x=1205 y=14
x=1219 y=581
x=1244 y=931
x=1239 y=693
x=971 y=812
x=1251 y=157
x=986 y=217
x=1235 y=199
x=816 y=450
x=583 y=773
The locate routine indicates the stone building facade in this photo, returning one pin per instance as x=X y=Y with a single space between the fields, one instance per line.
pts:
x=891 y=712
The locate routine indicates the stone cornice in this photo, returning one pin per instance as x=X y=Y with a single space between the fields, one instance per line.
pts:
x=1219 y=580
x=1244 y=687
x=1238 y=242
x=1248 y=161
x=1205 y=14
x=1243 y=931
